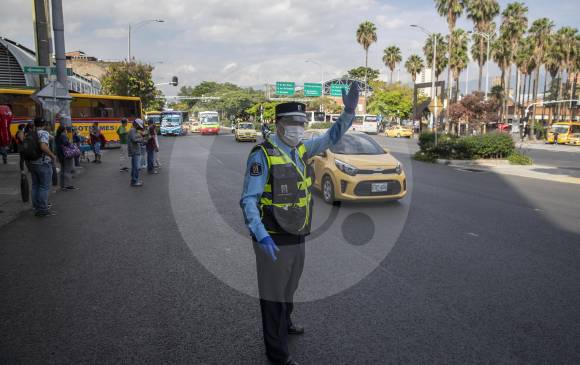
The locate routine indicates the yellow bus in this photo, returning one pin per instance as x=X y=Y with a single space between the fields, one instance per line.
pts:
x=107 y=110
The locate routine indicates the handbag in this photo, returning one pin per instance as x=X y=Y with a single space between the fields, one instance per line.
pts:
x=71 y=151
x=24 y=189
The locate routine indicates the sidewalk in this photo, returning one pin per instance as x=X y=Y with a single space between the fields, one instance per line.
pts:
x=542 y=145
x=503 y=167
x=11 y=205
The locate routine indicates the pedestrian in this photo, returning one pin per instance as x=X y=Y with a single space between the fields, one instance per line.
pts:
x=77 y=140
x=277 y=206
x=5 y=137
x=122 y=133
x=135 y=142
x=96 y=141
x=18 y=139
x=40 y=159
x=157 y=162
x=66 y=162
x=145 y=134
x=151 y=146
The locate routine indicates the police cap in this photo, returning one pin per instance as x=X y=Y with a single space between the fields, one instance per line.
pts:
x=290 y=109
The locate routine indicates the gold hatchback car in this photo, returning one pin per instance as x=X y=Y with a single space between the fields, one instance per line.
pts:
x=399 y=132
x=358 y=169
x=245 y=132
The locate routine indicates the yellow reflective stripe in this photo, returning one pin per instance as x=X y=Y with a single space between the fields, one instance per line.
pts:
x=267 y=188
x=301 y=150
x=302 y=202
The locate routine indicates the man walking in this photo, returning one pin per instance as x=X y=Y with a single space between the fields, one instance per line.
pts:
x=36 y=151
x=135 y=141
x=96 y=141
x=277 y=206
x=122 y=133
x=151 y=147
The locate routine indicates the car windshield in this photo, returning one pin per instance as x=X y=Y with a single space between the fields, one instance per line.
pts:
x=357 y=144
x=211 y=119
x=171 y=119
x=246 y=126
x=560 y=128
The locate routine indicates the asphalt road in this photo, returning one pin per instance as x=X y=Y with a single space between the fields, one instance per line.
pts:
x=470 y=267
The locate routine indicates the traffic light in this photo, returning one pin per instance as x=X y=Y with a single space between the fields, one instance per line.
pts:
x=174 y=81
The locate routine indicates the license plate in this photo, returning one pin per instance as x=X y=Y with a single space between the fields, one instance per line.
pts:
x=379 y=187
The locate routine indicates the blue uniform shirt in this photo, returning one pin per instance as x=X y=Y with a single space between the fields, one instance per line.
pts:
x=257 y=170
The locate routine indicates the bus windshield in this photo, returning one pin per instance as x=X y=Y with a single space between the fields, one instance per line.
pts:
x=155 y=118
x=370 y=118
x=209 y=119
x=560 y=128
x=170 y=120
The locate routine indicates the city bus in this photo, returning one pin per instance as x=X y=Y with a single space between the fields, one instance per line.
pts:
x=155 y=116
x=107 y=110
x=315 y=117
x=210 y=122
x=173 y=123
x=366 y=123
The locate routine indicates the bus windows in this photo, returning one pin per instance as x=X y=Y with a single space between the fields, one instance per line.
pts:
x=319 y=116
x=21 y=105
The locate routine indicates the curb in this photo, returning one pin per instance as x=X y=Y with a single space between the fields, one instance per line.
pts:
x=503 y=167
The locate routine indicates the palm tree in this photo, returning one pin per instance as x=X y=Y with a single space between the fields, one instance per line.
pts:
x=524 y=62
x=502 y=55
x=392 y=56
x=414 y=65
x=482 y=12
x=441 y=56
x=450 y=10
x=513 y=27
x=566 y=39
x=366 y=34
x=553 y=61
x=459 y=58
x=540 y=32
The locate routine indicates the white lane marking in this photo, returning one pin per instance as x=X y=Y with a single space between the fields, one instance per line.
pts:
x=472 y=234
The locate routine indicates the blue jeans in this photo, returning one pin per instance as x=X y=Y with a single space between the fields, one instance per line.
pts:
x=150 y=160
x=135 y=165
x=41 y=175
x=97 y=148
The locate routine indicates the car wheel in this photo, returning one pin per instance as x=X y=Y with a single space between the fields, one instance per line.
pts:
x=327 y=190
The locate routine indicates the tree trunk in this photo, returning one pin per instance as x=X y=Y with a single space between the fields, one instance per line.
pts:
x=544 y=96
x=502 y=84
x=536 y=86
x=559 y=96
x=573 y=95
x=391 y=76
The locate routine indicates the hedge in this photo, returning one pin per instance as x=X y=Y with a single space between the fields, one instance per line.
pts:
x=492 y=145
x=319 y=125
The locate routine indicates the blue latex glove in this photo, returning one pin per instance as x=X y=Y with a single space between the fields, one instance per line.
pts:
x=350 y=100
x=268 y=245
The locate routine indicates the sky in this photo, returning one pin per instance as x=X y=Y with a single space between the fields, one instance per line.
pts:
x=252 y=42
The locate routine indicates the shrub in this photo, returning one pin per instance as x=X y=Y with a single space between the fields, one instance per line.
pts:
x=319 y=125
x=493 y=145
x=425 y=156
x=518 y=158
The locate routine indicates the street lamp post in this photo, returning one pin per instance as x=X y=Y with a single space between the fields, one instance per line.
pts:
x=487 y=36
x=321 y=78
x=433 y=115
x=135 y=26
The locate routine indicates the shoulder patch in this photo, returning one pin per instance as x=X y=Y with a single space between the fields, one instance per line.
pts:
x=256 y=169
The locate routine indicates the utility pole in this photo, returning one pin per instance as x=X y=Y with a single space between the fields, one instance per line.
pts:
x=58 y=28
x=42 y=35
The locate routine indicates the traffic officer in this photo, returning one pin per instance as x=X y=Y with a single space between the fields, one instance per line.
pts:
x=277 y=207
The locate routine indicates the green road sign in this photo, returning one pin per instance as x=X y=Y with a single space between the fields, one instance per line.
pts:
x=284 y=88
x=44 y=70
x=37 y=70
x=312 y=89
x=336 y=89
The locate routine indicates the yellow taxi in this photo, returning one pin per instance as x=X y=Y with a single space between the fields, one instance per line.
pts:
x=245 y=132
x=195 y=127
x=568 y=133
x=358 y=169
x=399 y=131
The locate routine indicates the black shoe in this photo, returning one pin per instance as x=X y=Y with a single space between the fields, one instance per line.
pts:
x=295 y=330
x=71 y=188
x=49 y=213
x=288 y=361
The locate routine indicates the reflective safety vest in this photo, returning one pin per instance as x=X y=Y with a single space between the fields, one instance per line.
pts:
x=286 y=203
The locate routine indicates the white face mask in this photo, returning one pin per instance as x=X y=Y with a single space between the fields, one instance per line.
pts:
x=293 y=135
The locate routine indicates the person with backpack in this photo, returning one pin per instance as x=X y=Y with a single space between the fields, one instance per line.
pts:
x=96 y=141
x=135 y=143
x=66 y=162
x=40 y=159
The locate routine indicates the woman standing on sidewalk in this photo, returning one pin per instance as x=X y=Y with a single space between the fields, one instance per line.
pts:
x=96 y=141
x=66 y=164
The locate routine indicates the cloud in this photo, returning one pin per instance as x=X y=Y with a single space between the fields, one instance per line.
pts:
x=229 y=66
x=186 y=68
x=112 y=33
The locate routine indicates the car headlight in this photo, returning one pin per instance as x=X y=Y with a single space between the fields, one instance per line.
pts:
x=399 y=169
x=346 y=168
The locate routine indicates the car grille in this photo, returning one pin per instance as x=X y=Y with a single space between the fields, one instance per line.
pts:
x=364 y=188
x=383 y=171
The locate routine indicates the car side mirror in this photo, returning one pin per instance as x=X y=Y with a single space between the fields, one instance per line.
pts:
x=386 y=149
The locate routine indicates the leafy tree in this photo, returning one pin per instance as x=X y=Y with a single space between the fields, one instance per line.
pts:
x=475 y=110
x=414 y=65
x=391 y=100
x=459 y=58
x=502 y=54
x=269 y=110
x=392 y=56
x=130 y=79
x=482 y=12
x=360 y=73
x=329 y=104
x=569 y=45
x=366 y=34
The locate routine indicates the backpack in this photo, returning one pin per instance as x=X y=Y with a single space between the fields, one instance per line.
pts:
x=31 y=147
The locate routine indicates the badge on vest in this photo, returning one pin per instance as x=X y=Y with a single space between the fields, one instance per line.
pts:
x=256 y=169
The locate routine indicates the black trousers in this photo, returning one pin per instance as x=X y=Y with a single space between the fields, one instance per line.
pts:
x=277 y=283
